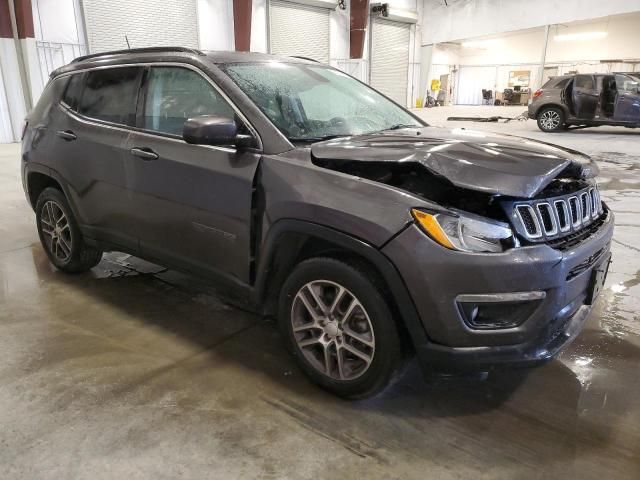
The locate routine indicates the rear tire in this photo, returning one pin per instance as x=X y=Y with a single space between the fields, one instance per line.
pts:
x=347 y=342
x=551 y=119
x=60 y=235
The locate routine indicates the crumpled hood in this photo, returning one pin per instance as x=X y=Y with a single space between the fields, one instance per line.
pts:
x=487 y=162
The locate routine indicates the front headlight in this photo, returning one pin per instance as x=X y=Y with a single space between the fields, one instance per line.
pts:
x=463 y=231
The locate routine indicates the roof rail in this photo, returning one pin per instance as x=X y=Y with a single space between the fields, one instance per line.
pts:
x=305 y=58
x=140 y=50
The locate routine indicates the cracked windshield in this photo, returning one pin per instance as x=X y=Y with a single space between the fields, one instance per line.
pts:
x=311 y=103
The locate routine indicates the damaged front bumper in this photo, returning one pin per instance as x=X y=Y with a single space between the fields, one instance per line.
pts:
x=549 y=289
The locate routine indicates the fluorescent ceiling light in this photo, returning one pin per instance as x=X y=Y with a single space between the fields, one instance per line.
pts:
x=568 y=37
x=482 y=43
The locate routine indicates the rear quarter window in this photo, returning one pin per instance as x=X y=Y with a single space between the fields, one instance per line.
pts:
x=50 y=97
x=111 y=95
x=558 y=82
x=73 y=91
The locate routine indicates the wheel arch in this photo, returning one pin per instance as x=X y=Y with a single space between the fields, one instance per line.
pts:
x=38 y=177
x=37 y=182
x=289 y=242
x=562 y=107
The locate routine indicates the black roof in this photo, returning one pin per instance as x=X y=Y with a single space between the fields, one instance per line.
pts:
x=131 y=51
x=151 y=54
x=215 y=56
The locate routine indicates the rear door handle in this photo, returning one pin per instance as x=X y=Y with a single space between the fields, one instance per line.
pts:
x=68 y=135
x=144 y=153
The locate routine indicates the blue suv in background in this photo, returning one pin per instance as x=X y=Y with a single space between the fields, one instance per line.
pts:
x=587 y=100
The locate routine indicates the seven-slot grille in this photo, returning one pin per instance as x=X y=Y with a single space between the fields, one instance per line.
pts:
x=551 y=218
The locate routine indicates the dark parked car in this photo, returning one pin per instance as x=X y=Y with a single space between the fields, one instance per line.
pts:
x=588 y=100
x=369 y=234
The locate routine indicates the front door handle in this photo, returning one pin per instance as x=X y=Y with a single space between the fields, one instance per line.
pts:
x=68 y=135
x=144 y=153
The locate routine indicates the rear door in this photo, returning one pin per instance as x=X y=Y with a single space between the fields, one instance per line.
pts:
x=192 y=202
x=91 y=133
x=628 y=99
x=585 y=97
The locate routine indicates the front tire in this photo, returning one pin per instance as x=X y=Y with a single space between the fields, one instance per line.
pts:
x=60 y=235
x=339 y=327
x=551 y=119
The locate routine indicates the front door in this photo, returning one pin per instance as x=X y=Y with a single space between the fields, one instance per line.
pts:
x=585 y=97
x=192 y=202
x=628 y=99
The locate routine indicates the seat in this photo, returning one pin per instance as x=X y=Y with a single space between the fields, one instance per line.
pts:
x=487 y=96
x=507 y=97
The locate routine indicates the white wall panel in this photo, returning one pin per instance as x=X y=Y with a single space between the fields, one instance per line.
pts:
x=6 y=130
x=215 y=24
x=297 y=29
x=12 y=102
x=146 y=23
x=259 y=41
x=471 y=81
x=55 y=21
x=390 y=58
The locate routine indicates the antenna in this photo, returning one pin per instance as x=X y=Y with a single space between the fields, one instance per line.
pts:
x=127 y=39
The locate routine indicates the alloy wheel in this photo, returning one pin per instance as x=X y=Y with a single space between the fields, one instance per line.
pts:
x=550 y=119
x=332 y=330
x=54 y=225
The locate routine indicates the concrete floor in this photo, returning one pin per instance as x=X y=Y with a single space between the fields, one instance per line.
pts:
x=131 y=372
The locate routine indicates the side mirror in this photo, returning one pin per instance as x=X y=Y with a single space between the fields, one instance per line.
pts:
x=210 y=130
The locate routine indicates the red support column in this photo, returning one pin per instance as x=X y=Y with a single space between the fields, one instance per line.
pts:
x=5 y=20
x=15 y=94
x=24 y=18
x=358 y=27
x=242 y=24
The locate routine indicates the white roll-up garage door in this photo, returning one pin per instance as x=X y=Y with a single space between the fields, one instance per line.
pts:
x=390 y=58
x=471 y=81
x=296 y=29
x=146 y=23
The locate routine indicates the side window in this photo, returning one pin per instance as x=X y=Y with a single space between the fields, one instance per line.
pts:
x=73 y=91
x=626 y=84
x=584 y=81
x=175 y=94
x=111 y=95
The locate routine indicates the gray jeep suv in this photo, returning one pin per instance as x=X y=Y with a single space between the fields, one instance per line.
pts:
x=314 y=198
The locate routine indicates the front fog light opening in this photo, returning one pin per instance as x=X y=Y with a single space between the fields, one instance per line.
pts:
x=500 y=311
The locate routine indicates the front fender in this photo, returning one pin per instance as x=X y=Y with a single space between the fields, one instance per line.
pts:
x=286 y=237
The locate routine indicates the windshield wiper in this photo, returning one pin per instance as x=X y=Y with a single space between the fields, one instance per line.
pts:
x=398 y=126
x=320 y=138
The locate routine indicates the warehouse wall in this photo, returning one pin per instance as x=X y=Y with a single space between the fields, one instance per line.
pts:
x=622 y=41
x=477 y=18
